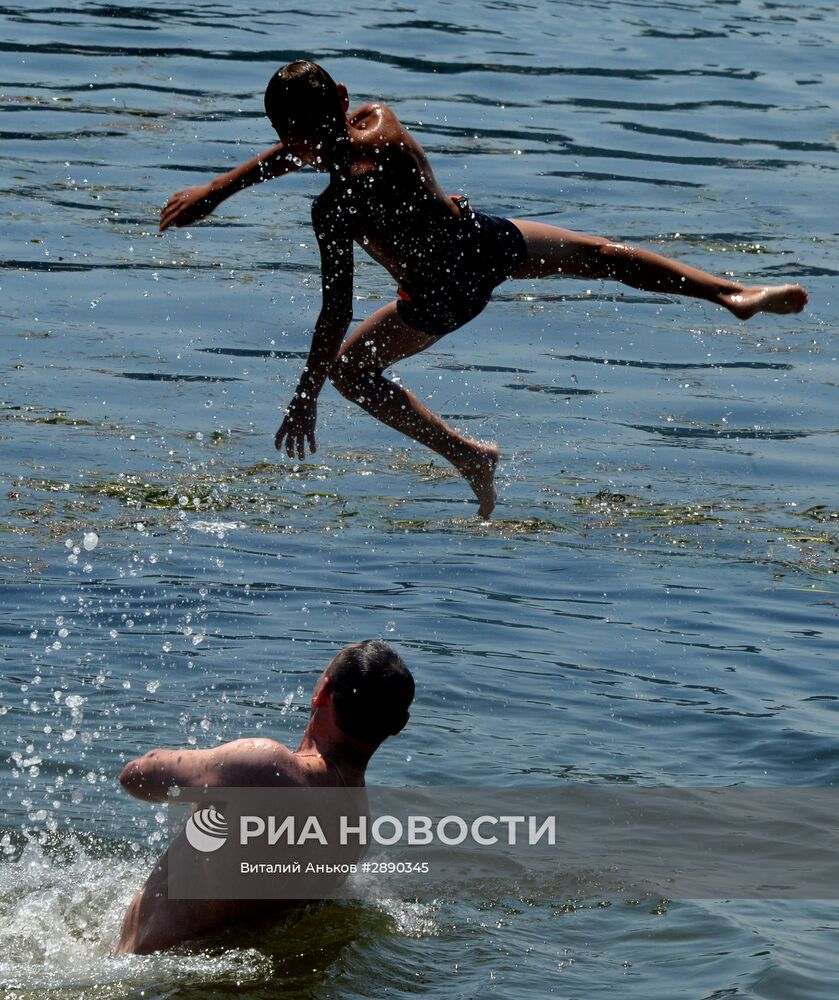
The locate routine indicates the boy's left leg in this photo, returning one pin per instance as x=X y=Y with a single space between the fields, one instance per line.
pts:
x=551 y=250
x=357 y=373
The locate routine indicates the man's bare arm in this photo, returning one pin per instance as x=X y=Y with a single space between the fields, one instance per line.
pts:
x=253 y=762
x=195 y=203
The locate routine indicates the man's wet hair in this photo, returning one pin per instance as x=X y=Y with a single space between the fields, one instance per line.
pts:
x=372 y=689
x=302 y=101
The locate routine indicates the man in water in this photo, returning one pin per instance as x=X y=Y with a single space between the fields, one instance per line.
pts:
x=360 y=699
x=445 y=257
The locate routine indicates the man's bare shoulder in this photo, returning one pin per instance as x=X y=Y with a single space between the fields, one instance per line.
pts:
x=256 y=761
x=255 y=745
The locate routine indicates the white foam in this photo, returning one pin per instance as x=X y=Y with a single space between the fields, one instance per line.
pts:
x=410 y=919
x=218 y=529
x=59 y=925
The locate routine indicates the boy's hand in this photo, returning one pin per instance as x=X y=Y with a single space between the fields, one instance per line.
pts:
x=298 y=426
x=188 y=206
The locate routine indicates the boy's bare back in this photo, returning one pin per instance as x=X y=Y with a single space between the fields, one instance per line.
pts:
x=389 y=202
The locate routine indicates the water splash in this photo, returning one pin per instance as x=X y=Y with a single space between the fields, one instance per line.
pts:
x=59 y=925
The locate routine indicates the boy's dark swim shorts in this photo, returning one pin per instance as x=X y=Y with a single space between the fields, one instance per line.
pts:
x=487 y=251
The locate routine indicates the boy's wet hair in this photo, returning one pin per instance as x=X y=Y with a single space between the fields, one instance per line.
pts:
x=372 y=689
x=302 y=101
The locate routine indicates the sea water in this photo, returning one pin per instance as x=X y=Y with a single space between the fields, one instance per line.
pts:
x=655 y=599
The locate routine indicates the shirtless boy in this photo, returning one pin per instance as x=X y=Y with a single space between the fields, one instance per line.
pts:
x=445 y=257
x=359 y=700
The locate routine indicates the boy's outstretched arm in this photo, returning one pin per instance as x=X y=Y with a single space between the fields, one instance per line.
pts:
x=195 y=203
x=336 y=253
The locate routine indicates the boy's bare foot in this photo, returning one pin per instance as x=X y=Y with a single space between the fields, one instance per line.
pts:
x=776 y=299
x=479 y=472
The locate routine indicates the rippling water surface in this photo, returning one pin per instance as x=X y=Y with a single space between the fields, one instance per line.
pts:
x=656 y=599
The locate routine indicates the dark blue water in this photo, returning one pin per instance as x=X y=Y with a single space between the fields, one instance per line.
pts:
x=656 y=599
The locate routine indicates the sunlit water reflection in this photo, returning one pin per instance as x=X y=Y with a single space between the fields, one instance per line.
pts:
x=656 y=598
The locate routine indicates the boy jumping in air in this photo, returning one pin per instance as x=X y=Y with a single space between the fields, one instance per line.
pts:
x=445 y=257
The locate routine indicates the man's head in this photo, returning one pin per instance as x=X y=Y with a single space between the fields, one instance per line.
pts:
x=370 y=690
x=304 y=103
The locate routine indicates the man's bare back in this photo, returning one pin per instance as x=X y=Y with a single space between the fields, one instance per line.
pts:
x=328 y=755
